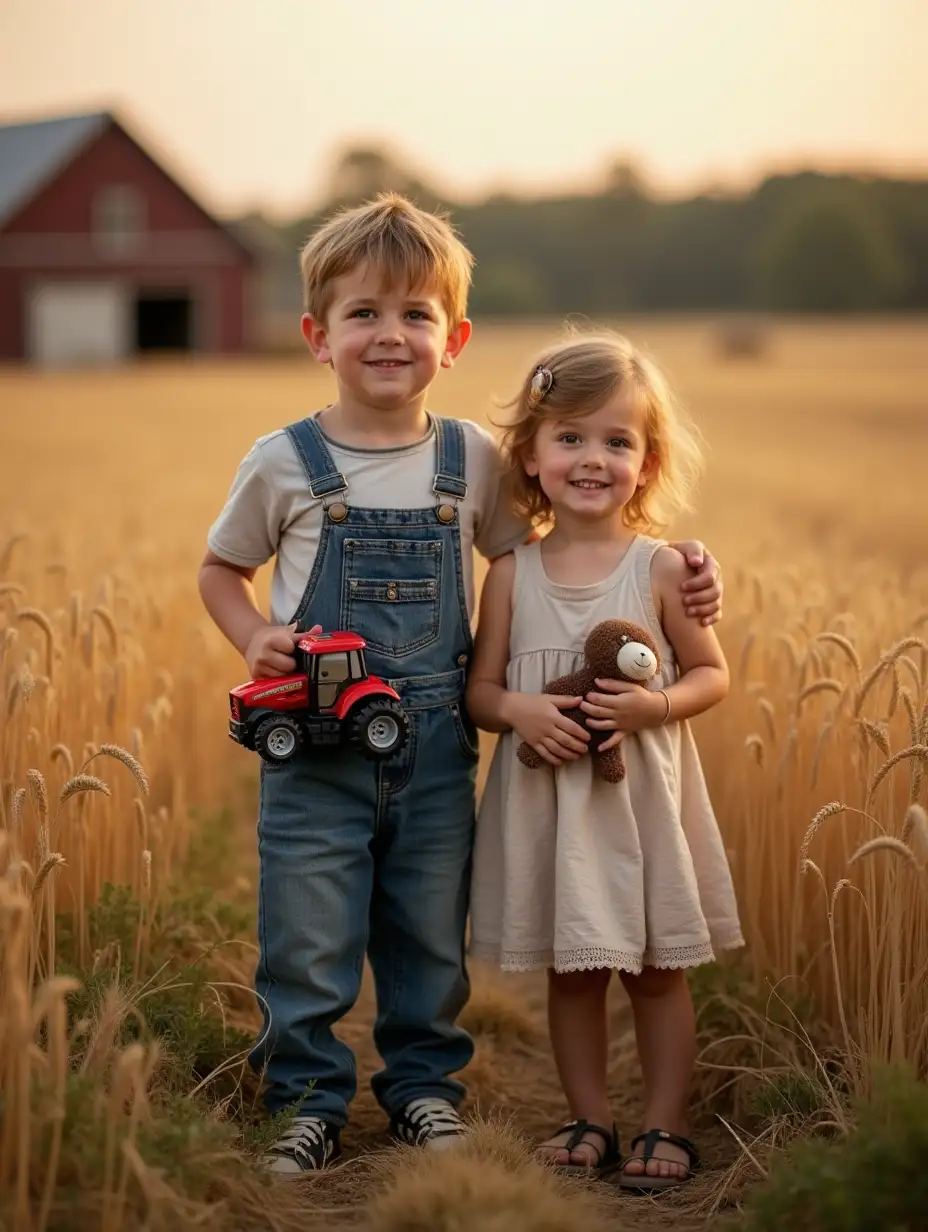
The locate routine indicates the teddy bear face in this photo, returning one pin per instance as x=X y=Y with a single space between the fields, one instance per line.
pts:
x=620 y=648
x=636 y=661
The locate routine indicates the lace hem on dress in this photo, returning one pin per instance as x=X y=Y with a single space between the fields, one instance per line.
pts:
x=593 y=958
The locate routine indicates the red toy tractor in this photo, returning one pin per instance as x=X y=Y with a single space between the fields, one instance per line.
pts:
x=329 y=700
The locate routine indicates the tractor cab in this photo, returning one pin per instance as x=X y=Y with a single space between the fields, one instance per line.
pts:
x=332 y=662
x=329 y=700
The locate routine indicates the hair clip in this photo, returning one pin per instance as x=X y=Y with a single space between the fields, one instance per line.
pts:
x=542 y=380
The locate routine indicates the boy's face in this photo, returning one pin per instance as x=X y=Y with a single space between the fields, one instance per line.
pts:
x=385 y=343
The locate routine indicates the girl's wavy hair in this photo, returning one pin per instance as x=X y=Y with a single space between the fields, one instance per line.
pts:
x=587 y=372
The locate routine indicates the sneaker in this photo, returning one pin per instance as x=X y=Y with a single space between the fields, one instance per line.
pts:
x=430 y=1123
x=309 y=1145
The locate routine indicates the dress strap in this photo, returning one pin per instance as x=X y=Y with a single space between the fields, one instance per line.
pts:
x=644 y=550
x=325 y=479
x=527 y=558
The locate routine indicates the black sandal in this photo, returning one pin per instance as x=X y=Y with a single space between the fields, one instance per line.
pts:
x=608 y=1159
x=643 y=1182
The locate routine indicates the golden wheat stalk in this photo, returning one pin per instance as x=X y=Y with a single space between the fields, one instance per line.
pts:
x=6 y=556
x=745 y=656
x=904 y=644
x=54 y=860
x=755 y=746
x=61 y=752
x=26 y=683
x=787 y=640
x=765 y=706
x=17 y=808
x=34 y=616
x=758 y=592
x=913 y=669
x=829 y=810
x=915 y=827
x=868 y=682
x=885 y=843
x=908 y=704
x=118 y=753
x=75 y=614
x=39 y=792
x=877 y=734
x=824 y=685
x=105 y=618
x=81 y=783
x=894 y=694
x=919 y=751
x=820 y=744
x=844 y=643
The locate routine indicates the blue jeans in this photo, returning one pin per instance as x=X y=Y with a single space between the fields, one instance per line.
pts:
x=358 y=859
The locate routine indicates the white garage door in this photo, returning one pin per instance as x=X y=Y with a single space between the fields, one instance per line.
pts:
x=78 y=323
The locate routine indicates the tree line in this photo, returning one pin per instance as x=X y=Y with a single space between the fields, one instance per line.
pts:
x=807 y=243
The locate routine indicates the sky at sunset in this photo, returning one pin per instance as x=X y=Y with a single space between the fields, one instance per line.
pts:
x=251 y=99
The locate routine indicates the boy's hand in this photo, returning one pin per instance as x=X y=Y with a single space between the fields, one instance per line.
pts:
x=270 y=651
x=621 y=708
x=537 y=719
x=702 y=594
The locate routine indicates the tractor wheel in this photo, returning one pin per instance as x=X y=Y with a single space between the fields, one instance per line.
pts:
x=379 y=728
x=278 y=738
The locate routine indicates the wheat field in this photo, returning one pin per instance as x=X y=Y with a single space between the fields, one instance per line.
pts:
x=125 y=1013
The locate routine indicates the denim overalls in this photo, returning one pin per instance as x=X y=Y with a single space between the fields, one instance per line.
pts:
x=358 y=857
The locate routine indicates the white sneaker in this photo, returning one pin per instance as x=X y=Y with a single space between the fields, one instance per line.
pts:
x=309 y=1145
x=430 y=1123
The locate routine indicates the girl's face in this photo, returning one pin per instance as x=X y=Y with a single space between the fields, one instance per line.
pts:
x=591 y=466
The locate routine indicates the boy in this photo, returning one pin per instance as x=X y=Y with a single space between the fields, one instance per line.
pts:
x=373 y=509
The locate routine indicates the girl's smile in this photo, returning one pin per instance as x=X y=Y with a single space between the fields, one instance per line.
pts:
x=592 y=465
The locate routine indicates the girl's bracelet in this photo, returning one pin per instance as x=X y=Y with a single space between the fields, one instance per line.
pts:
x=666 y=717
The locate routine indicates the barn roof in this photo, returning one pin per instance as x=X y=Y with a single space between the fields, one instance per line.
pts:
x=32 y=154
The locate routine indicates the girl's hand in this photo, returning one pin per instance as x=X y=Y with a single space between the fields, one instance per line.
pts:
x=537 y=719
x=622 y=708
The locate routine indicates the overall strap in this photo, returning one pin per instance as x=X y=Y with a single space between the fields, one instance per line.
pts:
x=449 y=476
x=323 y=475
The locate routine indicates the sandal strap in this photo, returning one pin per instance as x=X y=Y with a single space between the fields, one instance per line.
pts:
x=654 y=1136
x=578 y=1131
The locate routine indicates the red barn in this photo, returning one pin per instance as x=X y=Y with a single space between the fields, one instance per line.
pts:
x=103 y=255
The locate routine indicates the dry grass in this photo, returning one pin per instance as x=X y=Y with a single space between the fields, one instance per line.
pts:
x=112 y=744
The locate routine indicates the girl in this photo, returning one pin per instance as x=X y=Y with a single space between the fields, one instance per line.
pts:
x=571 y=873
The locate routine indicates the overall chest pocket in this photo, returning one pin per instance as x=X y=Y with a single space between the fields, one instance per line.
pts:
x=391 y=592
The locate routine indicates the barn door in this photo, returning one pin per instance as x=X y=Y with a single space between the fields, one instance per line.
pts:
x=70 y=323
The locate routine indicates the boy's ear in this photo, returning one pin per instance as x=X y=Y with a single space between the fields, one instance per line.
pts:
x=316 y=337
x=457 y=341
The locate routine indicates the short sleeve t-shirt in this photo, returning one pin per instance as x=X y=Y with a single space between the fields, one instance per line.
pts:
x=270 y=510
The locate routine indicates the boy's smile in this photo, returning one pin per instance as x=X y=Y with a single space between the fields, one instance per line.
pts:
x=385 y=342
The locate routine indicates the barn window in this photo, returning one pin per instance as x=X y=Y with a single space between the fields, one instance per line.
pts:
x=119 y=219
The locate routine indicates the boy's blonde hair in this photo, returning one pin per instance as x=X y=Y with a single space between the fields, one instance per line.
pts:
x=588 y=371
x=406 y=244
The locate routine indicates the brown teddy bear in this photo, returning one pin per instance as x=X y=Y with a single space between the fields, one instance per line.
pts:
x=615 y=650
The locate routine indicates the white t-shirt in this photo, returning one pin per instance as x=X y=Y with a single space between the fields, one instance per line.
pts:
x=271 y=511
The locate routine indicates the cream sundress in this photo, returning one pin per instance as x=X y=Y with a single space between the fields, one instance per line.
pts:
x=574 y=873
